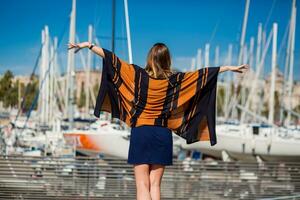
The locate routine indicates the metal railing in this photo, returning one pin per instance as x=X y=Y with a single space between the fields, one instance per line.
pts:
x=290 y=197
x=112 y=178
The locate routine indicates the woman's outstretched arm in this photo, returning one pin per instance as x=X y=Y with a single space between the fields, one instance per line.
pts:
x=238 y=69
x=97 y=50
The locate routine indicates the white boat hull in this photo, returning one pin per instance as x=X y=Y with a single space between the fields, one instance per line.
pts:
x=242 y=145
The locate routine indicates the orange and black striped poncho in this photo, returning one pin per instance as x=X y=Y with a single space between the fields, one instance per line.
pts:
x=185 y=103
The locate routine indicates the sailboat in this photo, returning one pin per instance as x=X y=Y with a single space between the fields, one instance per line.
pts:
x=250 y=141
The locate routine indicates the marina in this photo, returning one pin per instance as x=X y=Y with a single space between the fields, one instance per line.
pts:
x=53 y=147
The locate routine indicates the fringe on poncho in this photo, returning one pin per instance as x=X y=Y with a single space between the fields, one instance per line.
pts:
x=186 y=103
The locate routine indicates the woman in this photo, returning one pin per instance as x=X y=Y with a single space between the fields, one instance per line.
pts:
x=151 y=142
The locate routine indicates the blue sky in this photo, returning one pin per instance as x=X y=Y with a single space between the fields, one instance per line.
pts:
x=184 y=26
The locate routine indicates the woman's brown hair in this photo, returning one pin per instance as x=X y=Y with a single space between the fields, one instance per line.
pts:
x=159 y=61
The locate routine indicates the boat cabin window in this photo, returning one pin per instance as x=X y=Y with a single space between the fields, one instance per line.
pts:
x=255 y=130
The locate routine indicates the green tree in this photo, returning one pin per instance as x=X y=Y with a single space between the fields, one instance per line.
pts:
x=5 y=84
x=8 y=90
x=31 y=91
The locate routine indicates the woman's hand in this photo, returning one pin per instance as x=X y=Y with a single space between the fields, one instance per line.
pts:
x=78 y=46
x=239 y=69
x=97 y=50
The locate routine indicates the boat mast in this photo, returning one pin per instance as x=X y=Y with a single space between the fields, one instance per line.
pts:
x=292 y=48
x=233 y=102
x=257 y=61
x=206 y=59
x=113 y=25
x=228 y=82
x=258 y=45
x=46 y=77
x=242 y=41
x=128 y=32
x=199 y=58
x=40 y=105
x=286 y=66
x=193 y=64
x=70 y=100
x=217 y=56
x=273 y=75
x=251 y=51
x=43 y=98
x=88 y=70
x=51 y=79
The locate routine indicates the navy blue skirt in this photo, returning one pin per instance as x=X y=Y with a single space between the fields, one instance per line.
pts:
x=150 y=145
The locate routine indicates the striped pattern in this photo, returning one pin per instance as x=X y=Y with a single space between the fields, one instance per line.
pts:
x=185 y=103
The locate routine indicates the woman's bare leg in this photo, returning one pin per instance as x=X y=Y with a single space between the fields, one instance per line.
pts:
x=156 y=173
x=141 y=173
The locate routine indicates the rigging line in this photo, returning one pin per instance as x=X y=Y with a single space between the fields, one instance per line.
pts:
x=95 y=11
x=123 y=25
x=269 y=14
x=62 y=34
x=109 y=37
x=214 y=31
x=99 y=19
x=240 y=28
x=283 y=41
x=27 y=86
